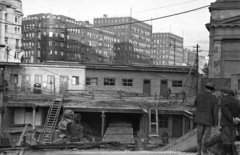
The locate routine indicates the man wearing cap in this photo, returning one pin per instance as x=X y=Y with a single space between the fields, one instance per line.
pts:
x=230 y=109
x=206 y=117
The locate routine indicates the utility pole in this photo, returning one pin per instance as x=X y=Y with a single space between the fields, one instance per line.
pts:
x=1 y=98
x=197 y=66
x=174 y=50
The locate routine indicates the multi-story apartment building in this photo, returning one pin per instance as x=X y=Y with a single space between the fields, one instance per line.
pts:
x=49 y=37
x=167 y=49
x=129 y=30
x=10 y=30
x=124 y=54
x=185 y=55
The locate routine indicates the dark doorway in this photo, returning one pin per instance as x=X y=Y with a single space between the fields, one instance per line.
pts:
x=177 y=126
x=147 y=87
x=26 y=83
x=63 y=83
x=163 y=87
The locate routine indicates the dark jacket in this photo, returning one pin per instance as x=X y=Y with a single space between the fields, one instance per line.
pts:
x=206 y=109
x=230 y=109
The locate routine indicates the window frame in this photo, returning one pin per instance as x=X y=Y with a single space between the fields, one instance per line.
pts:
x=177 y=83
x=127 y=82
x=90 y=82
x=39 y=77
x=163 y=121
x=75 y=82
x=50 y=78
x=109 y=82
x=13 y=78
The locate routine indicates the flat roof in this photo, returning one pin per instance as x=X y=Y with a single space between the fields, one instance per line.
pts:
x=128 y=107
x=117 y=67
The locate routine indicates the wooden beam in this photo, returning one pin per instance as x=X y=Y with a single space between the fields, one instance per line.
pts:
x=103 y=123
x=149 y=120
x=34 y=117
x=21 y=137
x=191 y=123
x=6 y=129
x=184 y=126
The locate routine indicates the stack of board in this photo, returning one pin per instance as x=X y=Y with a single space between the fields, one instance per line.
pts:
x=119 y=131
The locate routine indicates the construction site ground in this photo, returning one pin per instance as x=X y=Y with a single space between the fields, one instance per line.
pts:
x=94 y=152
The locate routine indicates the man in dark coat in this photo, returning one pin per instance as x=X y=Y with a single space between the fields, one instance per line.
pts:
x=206 y=117
x=230 y=111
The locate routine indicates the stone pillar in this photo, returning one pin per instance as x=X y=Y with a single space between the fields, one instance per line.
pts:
x=103 y=123
x=34 y=117
x=184 y=125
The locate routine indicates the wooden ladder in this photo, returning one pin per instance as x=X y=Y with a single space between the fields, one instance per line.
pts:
x=51 y=121
x=152 y=123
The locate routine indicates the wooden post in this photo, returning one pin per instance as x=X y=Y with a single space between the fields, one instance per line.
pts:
x=103 y=123
x=2 y=106
x=159 y=98
x=120 y=95
x=191 y=123
x=92 y=95
x=34 y=117
x=15 y=90
x=157 y=126
x=149 y=120
x=184 y=126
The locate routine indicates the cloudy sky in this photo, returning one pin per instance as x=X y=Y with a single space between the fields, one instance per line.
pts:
x=190 y=26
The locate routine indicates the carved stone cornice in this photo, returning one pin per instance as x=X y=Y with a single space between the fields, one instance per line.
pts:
x=225 y=5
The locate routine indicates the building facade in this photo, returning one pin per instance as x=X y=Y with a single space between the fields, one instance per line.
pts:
x=104 y=79
x=10 y=30
x=224 y=57
x=48 y=37
x=128 y=30
x=139 y=79
x=124 y=54
x=167 y=49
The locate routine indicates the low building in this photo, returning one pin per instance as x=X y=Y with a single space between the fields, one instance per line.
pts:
x=148 y=80
x=100 y=92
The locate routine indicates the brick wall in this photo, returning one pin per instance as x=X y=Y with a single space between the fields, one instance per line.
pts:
x=138 y=77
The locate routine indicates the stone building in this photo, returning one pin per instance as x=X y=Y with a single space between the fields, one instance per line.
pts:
x=224 y=28
x=224 y=57
x=10 y=30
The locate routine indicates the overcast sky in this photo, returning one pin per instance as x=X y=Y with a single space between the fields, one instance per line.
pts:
x=190 y=26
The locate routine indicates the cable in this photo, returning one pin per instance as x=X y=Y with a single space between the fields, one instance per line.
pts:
x=163 y=16
x=162 y=7
x=128 y=23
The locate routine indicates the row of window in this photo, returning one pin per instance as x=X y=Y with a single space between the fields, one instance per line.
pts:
x=26 y=78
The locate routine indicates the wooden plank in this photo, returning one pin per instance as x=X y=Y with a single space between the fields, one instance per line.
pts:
x=8 y=135
x=187 y=140
x=21 y=137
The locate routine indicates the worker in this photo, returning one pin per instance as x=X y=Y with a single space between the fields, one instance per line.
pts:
x=206 y=117
x=168 y=93
x=229 y=112
x=184 y=96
